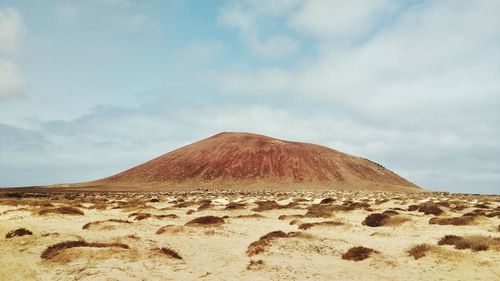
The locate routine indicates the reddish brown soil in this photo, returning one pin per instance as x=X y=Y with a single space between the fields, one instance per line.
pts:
x=250 y=161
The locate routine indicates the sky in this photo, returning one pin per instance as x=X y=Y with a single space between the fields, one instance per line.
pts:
x=90 y=88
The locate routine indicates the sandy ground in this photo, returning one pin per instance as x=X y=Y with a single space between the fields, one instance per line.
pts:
x=220 y=251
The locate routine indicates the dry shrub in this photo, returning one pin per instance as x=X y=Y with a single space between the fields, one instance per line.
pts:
x=430 y=209
x=493 y=214
x=90 y=224
x=260 y=245
x=390 y=212
x=358 y=253
x=452 y=221
x=55 y=249
x=18 y=232
x=204 y=206
x=375 y=220
x=140 y=216
x=412 y=208
x=184 y=204
x=170 y=229
x=169 y=216
x=305 y=226
x=255 y=265
x=235 y=206
x=170 y=253
x=418 y=251
x=473 y=242
x=257 y=216
x=206 y=221
x=266 y=206
x=286 y=217
x=319 y=211
x=328 y=200
x=189 y=212
x=61 y=210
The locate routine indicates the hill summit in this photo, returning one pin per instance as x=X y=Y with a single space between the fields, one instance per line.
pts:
x=256 y=162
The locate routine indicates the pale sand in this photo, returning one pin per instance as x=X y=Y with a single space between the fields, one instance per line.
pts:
x=219 y=253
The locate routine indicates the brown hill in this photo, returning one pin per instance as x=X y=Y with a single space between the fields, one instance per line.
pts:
x=250 y=161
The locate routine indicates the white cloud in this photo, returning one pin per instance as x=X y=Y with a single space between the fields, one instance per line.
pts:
x=251 y=18
x=338 y=19
x=11 y=29
x=11 y=80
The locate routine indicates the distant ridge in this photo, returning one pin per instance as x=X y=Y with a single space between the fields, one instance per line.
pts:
x=245 y=161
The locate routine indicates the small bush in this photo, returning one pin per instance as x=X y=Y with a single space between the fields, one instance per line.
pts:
x=452 y=221
x=55 y=249
x=18 y=232
x=61 y=210
x=358 y=253
x=171 y=253
x=418 y=251
x=450 y=240
x=206 y=221
x=259 y=246
x=255 y=264
x=430 y=209
x=376 y=219
x=305 y=226
x=328 y=200
x=90 y=224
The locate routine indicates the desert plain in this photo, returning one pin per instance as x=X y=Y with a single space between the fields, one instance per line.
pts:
x=248 y=235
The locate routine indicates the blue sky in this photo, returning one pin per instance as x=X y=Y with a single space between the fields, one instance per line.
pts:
x=89 y=88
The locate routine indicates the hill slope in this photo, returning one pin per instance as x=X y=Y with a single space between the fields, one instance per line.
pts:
x=250 y=161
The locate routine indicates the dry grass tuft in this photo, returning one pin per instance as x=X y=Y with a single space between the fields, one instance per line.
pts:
x=266 y=206
x=55 y=249
x=305 y=226
x=418 y=251
x=358 y=253
x=260 y=245
x=327 y=200
x=256 y=216
x=430 y=209
x=18 y=232
x=206 y=221
x=171 y=253
x=61 y=210
x=235 y=206
x=375 y=220
x=450 y=240
x=170 y=229
x=255 y=265
x=473 y=242
x=90 y=224
x=452 y=221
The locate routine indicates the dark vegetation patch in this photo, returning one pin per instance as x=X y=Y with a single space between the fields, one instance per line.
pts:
x=90 y=224
x=204 y=206
x=170 y=253
x=206 y=221
x=358 y=253
x=286 y=217
x=327 y=200
x=418 y=251
x=55 y=249
x=390 y=213
x=257 y=216
x=61 y=210
x=452 y=221
x=430 y=209
x=255 y=265
x=235 y=206
x=260 y=245
x=473 y=242
x=272 y=205
x=143 y=216
x=18 y=232
x=376 y=219
x=305 y=226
